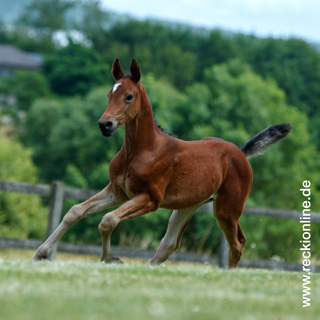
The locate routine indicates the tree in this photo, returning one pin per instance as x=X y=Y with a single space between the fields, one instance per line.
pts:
x=152 y=42
x=64 y=133
x=21 y=216
x=25 y=87
x=74 y=70
x=46 y=16
x=215 y=48
x=243 y=104
x=295 y=65
x=39 y=123
x=21 y=38
x=93 y=21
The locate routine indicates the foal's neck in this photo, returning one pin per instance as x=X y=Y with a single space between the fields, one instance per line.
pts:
x=141 y=132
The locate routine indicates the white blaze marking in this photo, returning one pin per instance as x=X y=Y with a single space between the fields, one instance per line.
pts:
x=115 y=87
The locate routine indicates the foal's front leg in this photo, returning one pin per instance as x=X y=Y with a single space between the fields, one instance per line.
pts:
x=107 y=198
x=138 y=206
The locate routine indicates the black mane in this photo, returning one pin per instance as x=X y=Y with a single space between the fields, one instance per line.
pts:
x=158 y=125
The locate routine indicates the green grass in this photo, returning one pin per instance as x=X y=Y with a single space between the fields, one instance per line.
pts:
x=90 y=290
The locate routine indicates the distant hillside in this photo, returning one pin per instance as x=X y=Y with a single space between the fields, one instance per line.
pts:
x=11 y=9
x=317 y=45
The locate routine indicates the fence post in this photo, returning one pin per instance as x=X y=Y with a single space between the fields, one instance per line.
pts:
x=56 y=203
x=223 y=252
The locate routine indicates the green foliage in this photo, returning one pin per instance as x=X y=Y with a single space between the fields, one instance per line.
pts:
x=165 y=100
x=74 y=70
x=161 y=52
x=21 y=38
x=178 y=53
x=25 y=87
x=65 y=133
x=21 y=216
x=40 y=120
x=37 y=24
x=215 y=48
x=243 y=104
x=276 y=239
x=295 y=65
x=45 y=16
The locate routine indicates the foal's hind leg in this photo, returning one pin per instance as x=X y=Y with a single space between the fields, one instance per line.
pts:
x=228 y=209
x=103 y=200
x=171 y=241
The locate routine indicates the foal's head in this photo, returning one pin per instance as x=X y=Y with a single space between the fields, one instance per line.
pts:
x=124 y=98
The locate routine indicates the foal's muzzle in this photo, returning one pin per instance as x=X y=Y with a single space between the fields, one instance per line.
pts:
x=107 y=127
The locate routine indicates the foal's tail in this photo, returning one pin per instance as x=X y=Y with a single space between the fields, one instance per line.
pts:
x=259 y=143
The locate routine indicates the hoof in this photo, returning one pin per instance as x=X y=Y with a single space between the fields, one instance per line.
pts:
x=116 y=260
x=37 y=258
x=113 y=260
x=39 y=255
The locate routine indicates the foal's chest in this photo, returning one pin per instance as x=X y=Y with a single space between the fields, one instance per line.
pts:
x=128 y=177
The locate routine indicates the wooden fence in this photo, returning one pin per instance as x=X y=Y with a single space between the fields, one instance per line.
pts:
x=58 y=192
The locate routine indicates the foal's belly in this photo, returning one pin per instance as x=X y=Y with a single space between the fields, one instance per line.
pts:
x=191 y=188
x=181 y=202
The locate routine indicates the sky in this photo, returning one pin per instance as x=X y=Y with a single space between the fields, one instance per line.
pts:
x=276 y=18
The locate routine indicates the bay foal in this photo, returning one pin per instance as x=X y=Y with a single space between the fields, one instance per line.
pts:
x=154 y=170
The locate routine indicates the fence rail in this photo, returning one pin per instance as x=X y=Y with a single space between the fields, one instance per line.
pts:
x=30 y=244
x=45 y=190
x=57 y=192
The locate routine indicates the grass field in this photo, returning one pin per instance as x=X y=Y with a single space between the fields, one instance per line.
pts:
x=81 y=289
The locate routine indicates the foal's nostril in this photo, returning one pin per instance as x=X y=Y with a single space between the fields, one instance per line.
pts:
x=108 y=125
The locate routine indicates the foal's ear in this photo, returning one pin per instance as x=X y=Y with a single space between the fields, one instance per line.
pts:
x=117 y=71
x=135 y=71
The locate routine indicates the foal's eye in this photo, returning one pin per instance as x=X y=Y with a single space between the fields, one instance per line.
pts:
x=129 y=97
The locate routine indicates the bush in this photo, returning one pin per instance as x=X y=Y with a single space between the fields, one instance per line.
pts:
x=21 y=216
